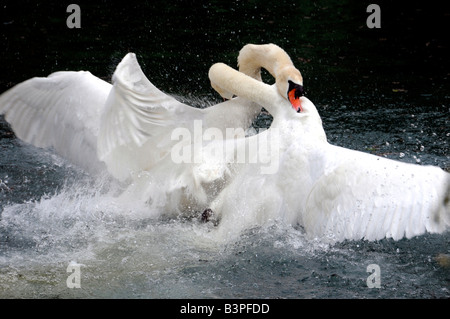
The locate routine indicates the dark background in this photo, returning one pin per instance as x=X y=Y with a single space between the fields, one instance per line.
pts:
x=384 y=91
x=177 y=41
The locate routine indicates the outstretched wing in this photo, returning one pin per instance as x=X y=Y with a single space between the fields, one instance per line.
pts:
x=61 y=111
x=138 y=120
x=364 y=196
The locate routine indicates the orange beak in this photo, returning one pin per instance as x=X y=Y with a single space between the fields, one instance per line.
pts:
x=295 y=102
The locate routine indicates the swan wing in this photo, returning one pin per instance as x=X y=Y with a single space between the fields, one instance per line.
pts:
x=136 y=127
x=61 y=111
x=139 y=119
x=361 y=196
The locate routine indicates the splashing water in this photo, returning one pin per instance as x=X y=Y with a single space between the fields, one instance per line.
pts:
x=54 y=216
x=121 y=246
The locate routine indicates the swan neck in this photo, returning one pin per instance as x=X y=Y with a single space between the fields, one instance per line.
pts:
x=242 y=85
x=268 y=56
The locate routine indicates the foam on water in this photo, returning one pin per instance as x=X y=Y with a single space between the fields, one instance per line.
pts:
x=129 y=247
x=87 y=222
x=126 y=248
x=125 y=253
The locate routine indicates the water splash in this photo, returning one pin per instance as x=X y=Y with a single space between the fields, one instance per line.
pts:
x=133 y=249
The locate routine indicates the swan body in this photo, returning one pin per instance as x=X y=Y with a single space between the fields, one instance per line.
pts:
x=138 y=120
x=125 y=125
x=334 y=193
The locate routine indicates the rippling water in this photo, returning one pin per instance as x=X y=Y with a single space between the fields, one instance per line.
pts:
x=53 y=215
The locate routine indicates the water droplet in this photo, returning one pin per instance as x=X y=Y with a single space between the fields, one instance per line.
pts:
x=401 y=155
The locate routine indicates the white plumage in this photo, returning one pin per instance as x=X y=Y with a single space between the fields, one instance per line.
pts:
x=359 y=195
x=126 y=125
x=333 y=192
x=136 y=127
x=62 y=111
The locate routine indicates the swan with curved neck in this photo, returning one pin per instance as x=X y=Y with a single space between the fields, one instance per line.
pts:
x=125 y=125
x=252 y=57
x=334 y=193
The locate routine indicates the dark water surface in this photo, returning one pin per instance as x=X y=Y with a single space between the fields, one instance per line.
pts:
x=385 y=91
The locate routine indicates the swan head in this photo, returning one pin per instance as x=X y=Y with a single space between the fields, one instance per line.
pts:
x=274 y=59
x=289 y=83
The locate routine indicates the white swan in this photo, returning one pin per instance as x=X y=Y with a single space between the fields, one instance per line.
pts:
x=192 y=184
x=135 y=132
x=333 y=192
x=136 y=126
x=271 y=57
x=126 y=125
